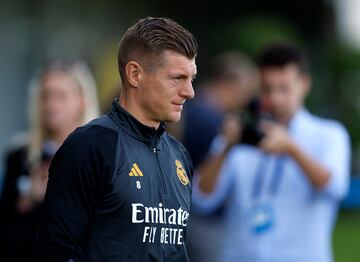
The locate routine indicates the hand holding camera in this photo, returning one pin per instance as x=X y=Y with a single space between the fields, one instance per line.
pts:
x=256 y=126
x=276 y=139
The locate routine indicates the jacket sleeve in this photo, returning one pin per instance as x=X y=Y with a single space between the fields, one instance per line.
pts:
x=71 y=197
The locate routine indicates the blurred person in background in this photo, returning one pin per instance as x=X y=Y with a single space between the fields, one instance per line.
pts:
x=230 y=82
x=282 y=189
x=62 y=97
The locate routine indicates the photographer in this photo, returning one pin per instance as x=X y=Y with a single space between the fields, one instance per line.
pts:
x=281 y=190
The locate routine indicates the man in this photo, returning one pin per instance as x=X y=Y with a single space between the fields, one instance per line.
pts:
x=281 y=196
x=119 y=187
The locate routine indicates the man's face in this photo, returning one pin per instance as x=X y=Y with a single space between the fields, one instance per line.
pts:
x=283 y=90
x=164 y=90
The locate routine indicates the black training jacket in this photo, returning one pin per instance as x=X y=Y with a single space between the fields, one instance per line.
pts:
x=118 y=191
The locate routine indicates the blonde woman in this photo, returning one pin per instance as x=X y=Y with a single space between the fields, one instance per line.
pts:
x=62 y=97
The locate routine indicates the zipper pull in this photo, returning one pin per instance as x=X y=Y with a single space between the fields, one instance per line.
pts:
x=155 y=150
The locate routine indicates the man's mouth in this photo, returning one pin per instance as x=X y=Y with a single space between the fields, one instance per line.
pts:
x=178 y=106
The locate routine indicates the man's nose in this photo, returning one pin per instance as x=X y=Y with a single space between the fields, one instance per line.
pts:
x=187 y=91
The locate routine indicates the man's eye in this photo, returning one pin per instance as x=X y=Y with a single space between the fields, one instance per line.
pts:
x=177 y=78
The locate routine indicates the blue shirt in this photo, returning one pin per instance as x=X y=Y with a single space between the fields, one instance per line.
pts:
x=303 y=215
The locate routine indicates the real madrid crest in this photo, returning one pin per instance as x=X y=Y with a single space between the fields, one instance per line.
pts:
x=180 y=171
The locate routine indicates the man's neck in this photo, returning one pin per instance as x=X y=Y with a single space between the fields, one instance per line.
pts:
x=136 y=111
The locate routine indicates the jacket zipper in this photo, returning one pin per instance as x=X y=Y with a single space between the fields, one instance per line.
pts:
x=161 y=173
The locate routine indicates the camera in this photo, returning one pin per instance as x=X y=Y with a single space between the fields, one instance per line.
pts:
x=251 y=117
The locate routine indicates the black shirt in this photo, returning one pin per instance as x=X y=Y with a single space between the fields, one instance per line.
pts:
x=118 y=191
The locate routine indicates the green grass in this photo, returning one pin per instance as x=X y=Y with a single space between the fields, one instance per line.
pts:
x=346 y=239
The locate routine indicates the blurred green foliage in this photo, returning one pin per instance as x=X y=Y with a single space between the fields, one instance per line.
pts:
x=347 y=236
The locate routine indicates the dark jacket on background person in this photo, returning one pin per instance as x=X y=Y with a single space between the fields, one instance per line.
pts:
x=17 y=231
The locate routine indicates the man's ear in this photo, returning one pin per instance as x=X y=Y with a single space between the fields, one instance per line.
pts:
x=134 y=73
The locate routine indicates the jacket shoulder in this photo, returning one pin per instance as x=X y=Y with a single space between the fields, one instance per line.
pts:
x=92 y=136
